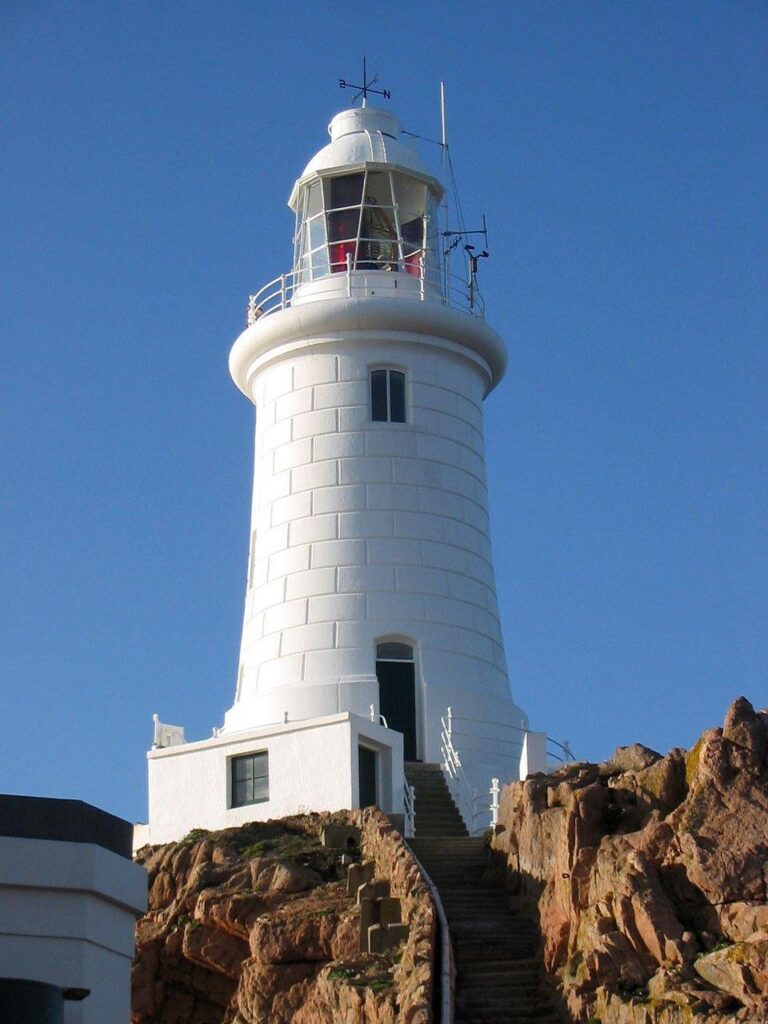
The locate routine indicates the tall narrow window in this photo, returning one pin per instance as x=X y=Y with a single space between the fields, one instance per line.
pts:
x=250 y=779
x=387 y=396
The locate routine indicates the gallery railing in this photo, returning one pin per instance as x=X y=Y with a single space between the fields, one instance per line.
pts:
x=425 y=285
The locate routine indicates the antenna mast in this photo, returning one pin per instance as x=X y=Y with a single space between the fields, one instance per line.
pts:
x=446 y=167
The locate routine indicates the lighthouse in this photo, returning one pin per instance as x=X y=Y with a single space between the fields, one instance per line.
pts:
x=370 y=604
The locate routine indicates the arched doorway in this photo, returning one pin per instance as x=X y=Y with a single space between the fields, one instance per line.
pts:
x=396 y=673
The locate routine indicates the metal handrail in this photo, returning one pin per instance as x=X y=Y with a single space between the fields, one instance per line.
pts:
x=568 y=754
x=464 y=795
x=279 y=293
x=409 y=807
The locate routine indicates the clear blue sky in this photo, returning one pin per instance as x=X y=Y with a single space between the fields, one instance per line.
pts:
x=148 y=149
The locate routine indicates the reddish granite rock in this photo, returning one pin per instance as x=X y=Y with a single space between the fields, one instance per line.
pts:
x=643 y=864
x=254 y=926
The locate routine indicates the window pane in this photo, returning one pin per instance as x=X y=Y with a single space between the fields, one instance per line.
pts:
x=377 y=189
x=397 y=396
x=343 y=224
x=346 y=190
x=376 y=254
x=316 y=232
x=314 y=199
x=379 y=396
x=411 y=194
x=250 y=779
x=319 y=263
x=394 y=652
x=413 y=231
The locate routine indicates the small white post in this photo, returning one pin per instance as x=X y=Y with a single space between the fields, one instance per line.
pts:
x=349 y=275
x=373 y=713
x=533 y=756
x=494 y=802
x=421 y=276
x=282 y=291
x=450 y=722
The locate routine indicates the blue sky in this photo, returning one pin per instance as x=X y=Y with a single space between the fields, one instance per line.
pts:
x=618 y=151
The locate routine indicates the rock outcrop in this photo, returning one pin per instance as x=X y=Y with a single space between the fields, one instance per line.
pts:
x=650 y=875
x=255 y=926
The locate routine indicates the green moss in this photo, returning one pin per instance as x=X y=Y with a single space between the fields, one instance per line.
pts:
x=692 y=761
x=341 y=974
x=381 y=984
x=195 y=836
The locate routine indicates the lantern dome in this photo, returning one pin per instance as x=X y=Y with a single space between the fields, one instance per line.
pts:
x=365 y=204
x=364 y=135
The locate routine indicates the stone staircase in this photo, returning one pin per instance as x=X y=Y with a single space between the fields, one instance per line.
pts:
x=496 y=951
x=436 y=813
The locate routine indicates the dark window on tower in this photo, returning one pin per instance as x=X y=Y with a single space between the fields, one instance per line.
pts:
x=388 y=396
x=250 y=779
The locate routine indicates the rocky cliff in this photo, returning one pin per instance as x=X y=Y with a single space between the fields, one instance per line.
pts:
x=256 y=926
x=650 y=875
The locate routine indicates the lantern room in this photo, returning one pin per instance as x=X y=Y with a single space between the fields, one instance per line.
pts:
x=366 y=204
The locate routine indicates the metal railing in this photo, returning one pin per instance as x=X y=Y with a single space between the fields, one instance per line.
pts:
x=475 y=808
x=427 y=286
x=558 y=753
x=409 y=807
x=465 y=797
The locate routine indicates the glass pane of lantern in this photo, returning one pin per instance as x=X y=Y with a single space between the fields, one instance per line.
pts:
x=314 y=199
x=316 y=232
x=378 y=191
x=412 y=230
x=343 y=224
x=346 y=190
x=319 y=262
x=411 y=195
x=298 y=245
x=303 y=270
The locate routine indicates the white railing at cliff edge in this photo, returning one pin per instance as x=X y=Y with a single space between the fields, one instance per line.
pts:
x=536 y=755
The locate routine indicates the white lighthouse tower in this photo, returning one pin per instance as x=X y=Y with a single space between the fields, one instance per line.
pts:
x=370 y=606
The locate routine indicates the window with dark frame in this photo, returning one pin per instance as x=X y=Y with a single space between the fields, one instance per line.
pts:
x=387 y=396
x=250 y=779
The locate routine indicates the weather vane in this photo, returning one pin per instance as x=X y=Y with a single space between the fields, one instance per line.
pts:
x=365 y=88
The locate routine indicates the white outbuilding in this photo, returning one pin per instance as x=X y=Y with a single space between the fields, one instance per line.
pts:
x=371 y=605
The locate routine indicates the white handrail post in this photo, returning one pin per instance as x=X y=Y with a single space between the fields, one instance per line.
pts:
x=282 y=291
x=349 y=275
x=450 y=724
x=421 y=276
x=494 y=802
x=373 y=713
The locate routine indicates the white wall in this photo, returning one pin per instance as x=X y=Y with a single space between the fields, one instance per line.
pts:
x=312 y=766
x=67 y=917
x=364 y=530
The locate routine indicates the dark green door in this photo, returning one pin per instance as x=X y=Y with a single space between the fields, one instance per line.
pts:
x=397 y=701
x=366 y=764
